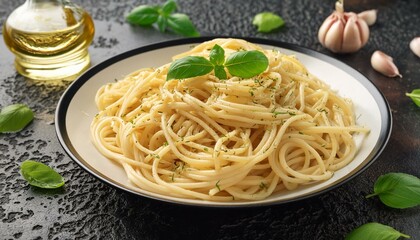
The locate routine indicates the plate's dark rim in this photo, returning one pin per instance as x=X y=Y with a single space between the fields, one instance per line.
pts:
x=63 y=105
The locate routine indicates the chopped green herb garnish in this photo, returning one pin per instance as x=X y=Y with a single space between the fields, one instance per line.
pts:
x=263 y=186
x=217 y=185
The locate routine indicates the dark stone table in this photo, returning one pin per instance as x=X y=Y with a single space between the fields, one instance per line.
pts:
x=87 y=208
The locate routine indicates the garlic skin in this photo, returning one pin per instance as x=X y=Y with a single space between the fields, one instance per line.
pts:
x=343 y=32
x=369 y=16
x=415 y=46
x=384 y=64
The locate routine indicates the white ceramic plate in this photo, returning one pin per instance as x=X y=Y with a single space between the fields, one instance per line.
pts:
x=77 y=108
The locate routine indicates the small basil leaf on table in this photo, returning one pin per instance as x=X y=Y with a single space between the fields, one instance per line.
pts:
x=40 y=175
x=168 y=7
x=182 y=25
x=219 y=72
x=267 y=21
x=397 y=190
x=187 y=67
x=375 y=231
x=143 y=15
x=14 y=118
x=415 y=96
x=246 y=64
x=217 y=55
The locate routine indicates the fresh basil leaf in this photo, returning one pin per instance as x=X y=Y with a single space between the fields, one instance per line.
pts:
x=168 y=7
x=217 y=55
x=267 y=21
x=219 y=72
x=162 y=23
x=143 y=15
x=40 y=175
x=181 y=24
x=397 y=190
x=14 y=118
x=415 y=96
x=375 y=231
x=187 y=67
x=246 y=64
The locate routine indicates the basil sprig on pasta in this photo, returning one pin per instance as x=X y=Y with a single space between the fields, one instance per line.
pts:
x=243 y=64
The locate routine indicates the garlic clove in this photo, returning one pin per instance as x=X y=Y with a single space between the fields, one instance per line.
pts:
x=415 y=46
x=384 y=64
x=351 y=36
x=334 y=37
x=322 y=32
x=364 y=32
x=369 y=16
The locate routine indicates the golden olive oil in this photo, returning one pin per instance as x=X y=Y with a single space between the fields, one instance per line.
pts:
x=49 y=40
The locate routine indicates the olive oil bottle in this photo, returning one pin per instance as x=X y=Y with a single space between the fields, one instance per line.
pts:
x=50 y=39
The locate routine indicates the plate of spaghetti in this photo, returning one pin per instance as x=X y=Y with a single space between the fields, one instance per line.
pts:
x=304 y=125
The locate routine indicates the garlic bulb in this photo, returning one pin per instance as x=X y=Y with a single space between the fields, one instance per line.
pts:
x=369 y=16
x=384 y=64
x=415 y=46
x=343 y=32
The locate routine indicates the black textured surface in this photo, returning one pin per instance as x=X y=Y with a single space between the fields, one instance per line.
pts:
x=89 y=209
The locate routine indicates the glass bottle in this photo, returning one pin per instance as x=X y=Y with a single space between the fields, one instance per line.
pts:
x=49 y=39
